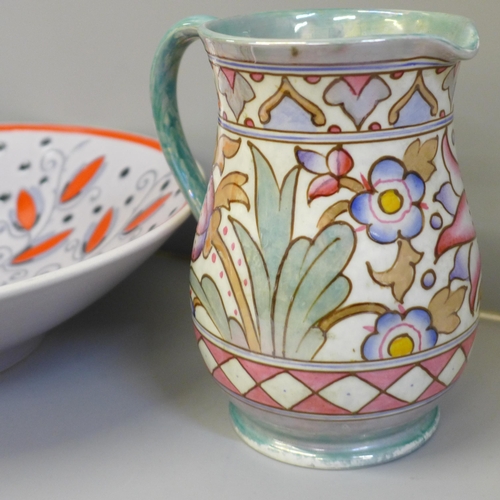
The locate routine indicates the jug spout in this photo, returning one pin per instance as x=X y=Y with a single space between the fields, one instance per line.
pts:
x=342 y=36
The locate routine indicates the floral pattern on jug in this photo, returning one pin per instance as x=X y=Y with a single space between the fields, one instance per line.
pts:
x=335 y=269
x=385 y=268
x=268 y=284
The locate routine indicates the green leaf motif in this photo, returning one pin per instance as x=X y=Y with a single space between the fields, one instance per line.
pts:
x=288 y=279
x=274 y=209
x=295 y=283
x=310 y=344
x=320 y=289
x=260 y=283
x=209 y=296
x=334 y=293
x=237 y=333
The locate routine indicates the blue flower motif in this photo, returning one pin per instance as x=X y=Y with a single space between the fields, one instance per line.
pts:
x=400 y=335
x=392 y=207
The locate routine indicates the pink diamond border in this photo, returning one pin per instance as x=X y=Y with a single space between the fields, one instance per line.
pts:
x=315 y=381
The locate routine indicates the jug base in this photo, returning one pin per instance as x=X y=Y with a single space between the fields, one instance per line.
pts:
x=348 y=446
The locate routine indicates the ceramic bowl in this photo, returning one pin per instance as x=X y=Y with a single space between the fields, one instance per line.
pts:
x=80 y=208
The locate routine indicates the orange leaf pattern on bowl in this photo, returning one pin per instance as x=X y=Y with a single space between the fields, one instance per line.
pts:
x=99 y=232
x=42 y=247
x=81 y=179
x=26 y=210
x=68 y=195
x=146 y=213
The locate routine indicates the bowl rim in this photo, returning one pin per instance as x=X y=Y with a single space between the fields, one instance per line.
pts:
x=115 y=254
x=83 y=129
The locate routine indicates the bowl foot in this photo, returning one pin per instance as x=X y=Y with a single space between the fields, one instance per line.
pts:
x=13 y=355
x=349 y=445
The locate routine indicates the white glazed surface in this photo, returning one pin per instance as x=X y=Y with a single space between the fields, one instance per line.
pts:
x=305 y=283
x=108 y=220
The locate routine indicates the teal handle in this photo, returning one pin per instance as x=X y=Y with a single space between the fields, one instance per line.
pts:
x=166 y=113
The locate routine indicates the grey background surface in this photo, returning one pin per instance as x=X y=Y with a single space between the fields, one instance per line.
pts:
x=87 y=62
x=117 y=404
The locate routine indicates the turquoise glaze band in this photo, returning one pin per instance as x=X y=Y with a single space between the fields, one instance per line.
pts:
x=166 y=113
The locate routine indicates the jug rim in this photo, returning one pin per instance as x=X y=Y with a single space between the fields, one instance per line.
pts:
x=445 y=36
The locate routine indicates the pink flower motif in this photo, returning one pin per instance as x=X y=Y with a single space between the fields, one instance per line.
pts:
x=337 y=163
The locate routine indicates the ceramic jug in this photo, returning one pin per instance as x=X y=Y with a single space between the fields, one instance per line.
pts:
x=335 y=269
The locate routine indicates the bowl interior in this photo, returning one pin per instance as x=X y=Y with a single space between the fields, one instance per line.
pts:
x=70 y=194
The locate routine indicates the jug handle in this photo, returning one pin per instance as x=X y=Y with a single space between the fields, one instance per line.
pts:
x=163 y=87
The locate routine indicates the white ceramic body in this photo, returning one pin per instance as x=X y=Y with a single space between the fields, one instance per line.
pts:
x=50 y=285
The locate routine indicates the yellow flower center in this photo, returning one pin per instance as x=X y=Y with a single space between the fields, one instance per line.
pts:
x=390 y=201
x=401 y=346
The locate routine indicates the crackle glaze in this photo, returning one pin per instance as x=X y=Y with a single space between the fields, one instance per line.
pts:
x=335 y=268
